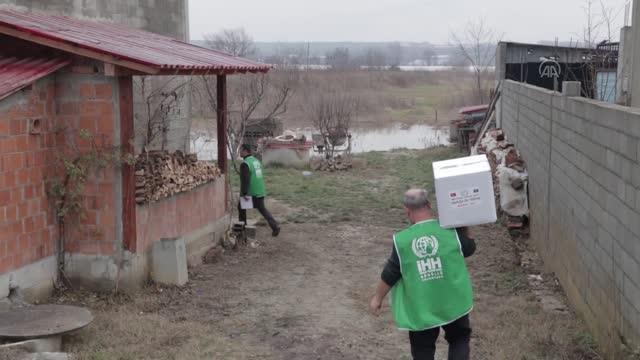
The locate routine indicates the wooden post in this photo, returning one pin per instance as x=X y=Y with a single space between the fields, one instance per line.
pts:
x=221 y=111
x=125 y=85
x=221 y=92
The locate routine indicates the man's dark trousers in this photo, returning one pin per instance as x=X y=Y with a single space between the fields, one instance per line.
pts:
x=458 y=335
x=258 y=203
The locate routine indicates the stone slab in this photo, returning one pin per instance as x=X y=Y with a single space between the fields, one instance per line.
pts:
x=43 y=321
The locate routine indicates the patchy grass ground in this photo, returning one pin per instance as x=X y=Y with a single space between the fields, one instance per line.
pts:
x=304 y=295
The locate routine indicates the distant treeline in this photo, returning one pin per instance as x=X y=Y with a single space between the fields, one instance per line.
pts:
x=346 y=55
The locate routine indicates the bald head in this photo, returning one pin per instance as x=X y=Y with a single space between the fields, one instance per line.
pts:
x=416 y=199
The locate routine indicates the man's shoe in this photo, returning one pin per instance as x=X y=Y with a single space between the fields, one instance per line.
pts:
x=276 y=232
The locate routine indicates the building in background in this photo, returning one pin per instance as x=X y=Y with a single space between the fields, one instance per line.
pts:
x=548 y=66
x=165 y=17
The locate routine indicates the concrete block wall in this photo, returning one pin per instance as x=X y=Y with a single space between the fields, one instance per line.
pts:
x=583 y=159
x=166 y=17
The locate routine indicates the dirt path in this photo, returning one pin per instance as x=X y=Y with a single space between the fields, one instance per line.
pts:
x=304 y=296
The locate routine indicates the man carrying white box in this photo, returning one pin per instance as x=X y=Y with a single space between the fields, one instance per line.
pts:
x=429 y=281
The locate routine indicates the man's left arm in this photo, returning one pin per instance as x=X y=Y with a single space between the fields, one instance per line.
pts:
x=467 y=243
x=245 y=179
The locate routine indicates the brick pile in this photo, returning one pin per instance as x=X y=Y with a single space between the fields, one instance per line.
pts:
x=160 y=174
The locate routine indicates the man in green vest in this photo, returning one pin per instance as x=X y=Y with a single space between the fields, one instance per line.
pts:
x=429 y=282
x=252 y=186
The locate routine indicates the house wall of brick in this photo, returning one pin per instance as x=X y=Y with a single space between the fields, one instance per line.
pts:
x=62 y=104
x=583 y=162
x=199 y=216
x=90 y=103
x=27 y=225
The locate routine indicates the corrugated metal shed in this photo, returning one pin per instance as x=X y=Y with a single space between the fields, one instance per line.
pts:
x=120 y=45
x=18 y=73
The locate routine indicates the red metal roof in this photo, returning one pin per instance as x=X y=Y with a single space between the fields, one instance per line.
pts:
x=17 y=73
x=135 y=49
x=473 y=109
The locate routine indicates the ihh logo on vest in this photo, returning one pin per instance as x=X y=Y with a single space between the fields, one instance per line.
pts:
x=429 y=265
x=550 y=69
x=258 y=168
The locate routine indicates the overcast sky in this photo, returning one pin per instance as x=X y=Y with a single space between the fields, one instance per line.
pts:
x=392 y=20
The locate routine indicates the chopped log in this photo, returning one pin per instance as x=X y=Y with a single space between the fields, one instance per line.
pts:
x=160 y=174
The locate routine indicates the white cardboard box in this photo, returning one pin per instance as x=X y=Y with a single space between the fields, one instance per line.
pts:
x=464 y=192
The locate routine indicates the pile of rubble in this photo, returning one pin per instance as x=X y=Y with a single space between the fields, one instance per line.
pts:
x=160 y=174
x=510 y=179
x=338 y=163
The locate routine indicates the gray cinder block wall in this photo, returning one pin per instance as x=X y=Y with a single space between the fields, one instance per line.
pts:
x=583 y=158
x=165 y=17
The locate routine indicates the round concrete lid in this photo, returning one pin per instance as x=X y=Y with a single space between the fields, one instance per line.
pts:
x=43 y=320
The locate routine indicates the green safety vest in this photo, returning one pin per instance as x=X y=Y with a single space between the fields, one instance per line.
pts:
x=256 y=184
x=435 y=288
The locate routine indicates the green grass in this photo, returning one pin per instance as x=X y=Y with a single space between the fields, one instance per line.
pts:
x=371 y=191
x=424 y=100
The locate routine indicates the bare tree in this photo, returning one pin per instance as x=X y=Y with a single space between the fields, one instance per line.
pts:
x=252 y=97
x=339 y=59
x=429 y=56
x=236 y=42
x=375 y=58
x=395 y=54
x=600 y=78
x=332 y=116
x=160 y=105
x=476 y=43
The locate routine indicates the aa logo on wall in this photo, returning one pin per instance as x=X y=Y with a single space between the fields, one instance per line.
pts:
x=550 y=69
x=426 y=246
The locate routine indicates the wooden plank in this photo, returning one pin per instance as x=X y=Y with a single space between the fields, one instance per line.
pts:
x=116 y=71
x=221 y=93
x=74 y=49
x=221 y=112
x=127 y=134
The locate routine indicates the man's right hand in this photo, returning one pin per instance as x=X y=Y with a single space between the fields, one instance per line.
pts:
x=375 y=305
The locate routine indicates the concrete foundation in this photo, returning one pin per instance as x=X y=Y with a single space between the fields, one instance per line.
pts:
x=130 y=271
x=33 y=282
x=169 y=262
x=199 y=242
x=47 y=344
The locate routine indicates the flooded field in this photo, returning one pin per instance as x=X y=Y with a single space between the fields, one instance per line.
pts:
x=364 y=140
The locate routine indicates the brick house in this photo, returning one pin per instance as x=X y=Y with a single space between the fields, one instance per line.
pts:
x=57 y=72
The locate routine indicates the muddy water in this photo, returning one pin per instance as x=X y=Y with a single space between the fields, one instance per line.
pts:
x=363 y=140
x=396 y=137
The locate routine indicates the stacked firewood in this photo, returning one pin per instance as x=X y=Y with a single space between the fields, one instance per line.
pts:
x=160 y=174
x=337 y=163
